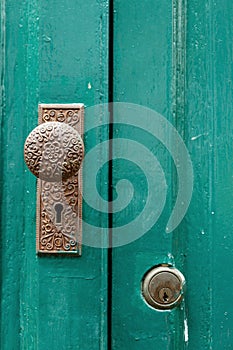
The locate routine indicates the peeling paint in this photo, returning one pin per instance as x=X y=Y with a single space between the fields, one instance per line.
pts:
x=47 y=39
x=186 y=331
x=196 y=137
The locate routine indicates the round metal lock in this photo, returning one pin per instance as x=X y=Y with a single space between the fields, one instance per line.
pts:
x=163 y=287
x=54 y=151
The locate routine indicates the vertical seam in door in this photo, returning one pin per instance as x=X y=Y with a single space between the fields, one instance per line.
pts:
x=179 y=31
x=212 y=162
x=3 y=50
x=110 y=173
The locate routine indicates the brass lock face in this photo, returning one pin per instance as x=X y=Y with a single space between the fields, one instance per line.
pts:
x=54 y=152
x=163 y=287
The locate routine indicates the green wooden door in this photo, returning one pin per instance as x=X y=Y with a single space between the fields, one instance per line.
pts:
x=167 y=60
x=52 y=51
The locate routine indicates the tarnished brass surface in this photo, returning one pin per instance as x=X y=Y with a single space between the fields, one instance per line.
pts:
x=163 y=287
x=53 y=152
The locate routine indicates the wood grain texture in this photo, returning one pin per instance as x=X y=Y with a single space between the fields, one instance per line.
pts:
x=199 y=74
x=53 y=50
x=12 y=169
x=148 y=71
x=176 y=58
x=209 y=128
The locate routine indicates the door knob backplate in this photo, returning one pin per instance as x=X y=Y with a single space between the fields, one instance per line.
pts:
x=53 y=152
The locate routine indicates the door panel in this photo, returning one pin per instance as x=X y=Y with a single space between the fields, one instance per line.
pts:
x=175 y=58
x=145 y=74
x=209 y=129
x=56 y=52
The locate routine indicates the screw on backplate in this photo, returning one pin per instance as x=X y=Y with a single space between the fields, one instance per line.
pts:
x=165 y=295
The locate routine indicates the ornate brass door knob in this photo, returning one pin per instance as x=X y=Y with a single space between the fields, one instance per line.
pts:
x=54 y=151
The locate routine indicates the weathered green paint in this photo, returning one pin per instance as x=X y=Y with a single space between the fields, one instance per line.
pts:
x=144 y=74
x=208 y=226
x=174 y=57
x=53 y=50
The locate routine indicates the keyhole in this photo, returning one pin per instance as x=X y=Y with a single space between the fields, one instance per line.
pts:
x=165 y=297
x=58 y=209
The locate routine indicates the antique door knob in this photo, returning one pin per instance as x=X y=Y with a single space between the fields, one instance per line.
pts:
x=54 y=151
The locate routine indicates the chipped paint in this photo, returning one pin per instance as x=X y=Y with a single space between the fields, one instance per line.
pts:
x=186 y=330
x=196 y=137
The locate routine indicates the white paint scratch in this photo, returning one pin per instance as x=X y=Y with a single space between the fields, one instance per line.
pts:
x=170 y=256
x=89 y=86
x=196 y=137
x=186 y=331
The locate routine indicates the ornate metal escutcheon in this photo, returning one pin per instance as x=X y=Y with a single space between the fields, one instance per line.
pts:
x=54 y=152
x=163 y=287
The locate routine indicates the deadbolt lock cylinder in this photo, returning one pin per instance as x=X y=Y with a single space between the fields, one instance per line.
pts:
x=163 y=287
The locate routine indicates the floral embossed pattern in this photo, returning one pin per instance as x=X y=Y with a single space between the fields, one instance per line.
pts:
x=54 y=152
x=59 y=235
